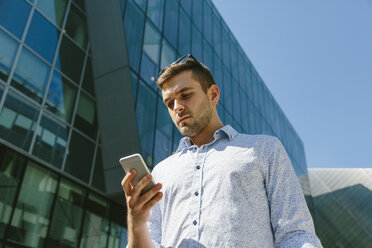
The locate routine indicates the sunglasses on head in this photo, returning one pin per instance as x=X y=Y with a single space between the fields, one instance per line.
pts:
x=181 y=60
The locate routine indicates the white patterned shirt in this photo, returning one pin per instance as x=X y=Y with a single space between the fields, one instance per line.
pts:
x=237 y=191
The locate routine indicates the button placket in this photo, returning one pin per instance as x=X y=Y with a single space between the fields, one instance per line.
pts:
x=195 y=190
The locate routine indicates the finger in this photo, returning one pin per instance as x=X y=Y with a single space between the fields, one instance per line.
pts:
x=141 y=185
x=126 y=182
x=150 y=194
x=150 y=204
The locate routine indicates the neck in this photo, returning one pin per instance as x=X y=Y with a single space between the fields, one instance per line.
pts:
x=206 y=136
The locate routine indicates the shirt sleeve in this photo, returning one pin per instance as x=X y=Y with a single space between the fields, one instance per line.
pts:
x=154 y=225
x=290 y=217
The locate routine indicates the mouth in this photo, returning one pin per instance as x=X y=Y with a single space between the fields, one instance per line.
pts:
x=183 y=118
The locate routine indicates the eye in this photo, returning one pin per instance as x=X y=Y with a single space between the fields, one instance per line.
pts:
x=185 y=96
x=170 y=104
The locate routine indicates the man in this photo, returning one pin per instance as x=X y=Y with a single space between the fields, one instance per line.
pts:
x=221 y=188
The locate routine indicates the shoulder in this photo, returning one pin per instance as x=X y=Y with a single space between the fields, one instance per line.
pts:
x=162 y=166
x=257 y=140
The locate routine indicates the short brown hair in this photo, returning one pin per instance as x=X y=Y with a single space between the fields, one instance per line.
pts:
x=200 y=72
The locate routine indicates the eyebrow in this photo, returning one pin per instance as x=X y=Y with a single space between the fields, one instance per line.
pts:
x=178 y=92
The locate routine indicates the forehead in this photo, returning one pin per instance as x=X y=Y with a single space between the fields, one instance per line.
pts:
x=179 y=82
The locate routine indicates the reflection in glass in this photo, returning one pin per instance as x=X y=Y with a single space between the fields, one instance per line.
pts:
x=184 y=33
x=54 y=9
x=168 y=54
x=8 y=50
x=171 y=21
x=80 y=157
x=133 y=25
x=42 y=37
x=31 y=217
x=11 y=167
x=98 y=180
x=67 y=215
x=88 y=84
x=17 y=120
x=155 y=12
x=76 y=27
x=86 y=119
x=145 y=112
x=61 y=97
x=31 y=75
x=13 y=15
x=163 y=134
x=70 y=59
x=96 y=224
x=51 y=140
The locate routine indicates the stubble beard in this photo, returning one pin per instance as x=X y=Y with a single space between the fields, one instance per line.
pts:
x=201 y=119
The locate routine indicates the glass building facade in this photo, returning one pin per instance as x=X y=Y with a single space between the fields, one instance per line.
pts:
x=59 y=187
x=343 y=206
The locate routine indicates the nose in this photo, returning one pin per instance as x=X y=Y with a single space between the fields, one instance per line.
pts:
x=178 y=107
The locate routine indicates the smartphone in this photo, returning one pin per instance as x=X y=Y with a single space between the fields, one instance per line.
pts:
x=136 y=162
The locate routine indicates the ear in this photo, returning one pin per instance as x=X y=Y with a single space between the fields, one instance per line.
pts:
x=214 y=94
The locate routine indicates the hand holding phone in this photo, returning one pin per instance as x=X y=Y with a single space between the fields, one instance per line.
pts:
x=136 y=162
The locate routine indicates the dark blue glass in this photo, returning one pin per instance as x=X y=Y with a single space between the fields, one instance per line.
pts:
x=197 y=44
x=197 y=14
x=184 y=33
x=145 y=112
x=42 y=37
x=208 y=55
x=155 y=12
x=141 y=3
x=234 y=59
x=227 y=84
x=171 y=21
x=207 y=30
x=70 y=59
x=226 y=46
x=51 y=140
x=149 y=71
x=54 y=9
x=31 y=75
x=61 y=97
x=17 y=120
x=133 y=23
x=186 y=5
x=217 y=38
x=168 y=54
x=14 y=15
x=163 y=134
x=237 y=102
x=8 y=51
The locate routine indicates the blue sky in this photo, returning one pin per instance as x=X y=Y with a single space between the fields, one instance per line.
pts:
x=316 y=59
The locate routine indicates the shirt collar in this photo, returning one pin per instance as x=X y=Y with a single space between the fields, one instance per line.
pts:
x=225 y=131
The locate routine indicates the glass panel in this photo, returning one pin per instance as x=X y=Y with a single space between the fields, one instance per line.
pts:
x=186 y=4
x=67 y=215
x=134 y=82
x=42 y=37
x=226 y=46
x=11 y=167
x=197 y=43
x=207 y=31
x=234 y=59
x=151 y=44
x=96 y=224
x=8 y=51
x=145 y=111
x=17 y=120
x=31 y=75
x=155 y=12
x=133 y=24
x=51 y=140
x=54 y=9
x=1 y=90
x=208 y=56
x=163 y=135
x=171 y=21
x=61 y=97
x=217 y=40
x=31 y=217
x=86 y=118
x=168 y=54
x=149 y=70
x=184 y=34
x=118 y=233
x=197 y=14
x=88 y=83
x=76 y=27
x=237 y=102
x=14 y=15
x=141 y=3
x=80 y=157
x=227 y=99
x=98 y=175
x=80 y=3
x=70 y=59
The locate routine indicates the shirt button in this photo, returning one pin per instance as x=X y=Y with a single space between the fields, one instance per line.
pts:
x=198 y=167
x=195 y=222
x=196 y=193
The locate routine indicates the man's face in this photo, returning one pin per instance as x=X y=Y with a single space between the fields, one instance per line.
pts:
x=188 y=105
